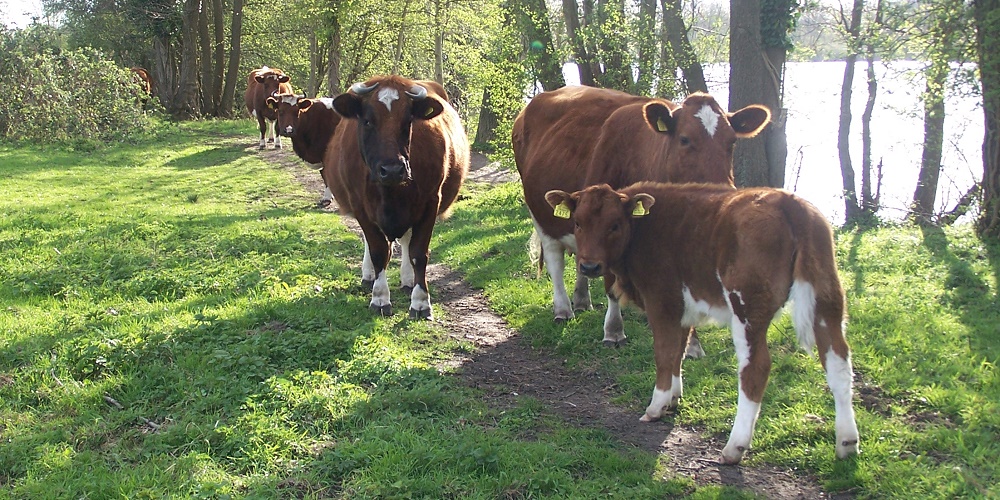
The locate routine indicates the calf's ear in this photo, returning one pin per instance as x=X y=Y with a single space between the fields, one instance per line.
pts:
x=749 y=121
x=561 y=202
x=303 y=103
x=639 y=204
x=426 y=108
x=659 y=118
x=283 y=79
x=271 y=103
x=260 y=79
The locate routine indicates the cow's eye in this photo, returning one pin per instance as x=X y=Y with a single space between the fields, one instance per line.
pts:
x=614 y=229
x=367 y=123
x=685 y=141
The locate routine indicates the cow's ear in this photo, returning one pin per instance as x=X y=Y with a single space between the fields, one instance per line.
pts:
x=427 y=108
x=303 y=103
x=639 y=204
x=271 y=103
x=260 y=79
x=283 y=78
x=659 y=117
x=750 y=120
x=348 y=105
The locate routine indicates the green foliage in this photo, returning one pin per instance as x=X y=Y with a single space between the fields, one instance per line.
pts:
x=57 y=95
x=777 y=22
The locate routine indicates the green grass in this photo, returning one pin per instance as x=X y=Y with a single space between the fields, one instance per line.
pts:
x=176 y=320
x=924 y=316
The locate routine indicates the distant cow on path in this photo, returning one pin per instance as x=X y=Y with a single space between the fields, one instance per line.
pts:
x=261 y=84
x=396 y=162
x=310 y=124
x=690 y=253
x=145 y=83
x=574 y=137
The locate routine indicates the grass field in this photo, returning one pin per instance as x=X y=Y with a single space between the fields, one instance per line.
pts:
x=178 y=320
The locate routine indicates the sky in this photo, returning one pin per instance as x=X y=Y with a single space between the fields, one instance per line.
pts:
x=18 y=13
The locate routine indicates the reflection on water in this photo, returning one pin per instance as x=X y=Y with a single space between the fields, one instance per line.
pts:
x=812 y=96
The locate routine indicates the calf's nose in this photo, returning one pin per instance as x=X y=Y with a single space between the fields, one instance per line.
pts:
x=590 y=269
x=391 y=173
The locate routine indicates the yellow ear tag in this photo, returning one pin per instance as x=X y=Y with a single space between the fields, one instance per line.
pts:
x=429 y=112
x=661 y=125
x=561 y=211
x=639 y=210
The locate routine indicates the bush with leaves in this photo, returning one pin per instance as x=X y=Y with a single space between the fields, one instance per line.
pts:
x=55 y=95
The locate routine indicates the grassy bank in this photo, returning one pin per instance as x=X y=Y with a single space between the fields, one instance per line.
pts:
x=178 y=320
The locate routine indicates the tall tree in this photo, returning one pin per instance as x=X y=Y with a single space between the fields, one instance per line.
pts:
x=750 y=81
x=852 y=209
x=219 y=54
x=682 y=55
x=185 y=103
x=235 y=53
x=574 y=30
x=206 y=72
x=646 y=61
x=987 y=20
x=537 y=36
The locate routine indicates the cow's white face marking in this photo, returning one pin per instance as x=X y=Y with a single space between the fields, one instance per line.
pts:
x=709 y=118
x=290 y=99
x=387 y=96
x=328 y=102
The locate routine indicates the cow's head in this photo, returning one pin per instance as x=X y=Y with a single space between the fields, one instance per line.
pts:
x=702 y=136
x=286 y=107
x=385 y=109
x=602 y=220
x=270 y=78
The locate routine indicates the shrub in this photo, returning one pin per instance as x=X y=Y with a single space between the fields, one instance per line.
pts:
x=55 y=95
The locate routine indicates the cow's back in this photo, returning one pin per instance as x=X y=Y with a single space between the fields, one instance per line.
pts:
x=554 y=138
x=628 y=150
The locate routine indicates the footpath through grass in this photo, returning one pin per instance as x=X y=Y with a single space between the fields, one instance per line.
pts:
x=178 y=321
x=924 y=327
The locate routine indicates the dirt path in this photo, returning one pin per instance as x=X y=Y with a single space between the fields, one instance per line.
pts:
x=505 y=368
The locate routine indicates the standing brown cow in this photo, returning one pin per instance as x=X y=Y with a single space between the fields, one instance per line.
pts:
x=574 y=137
x=310 y=124
x=145 y=83
x=396 y=163
x=692 y=253
x=261 y=84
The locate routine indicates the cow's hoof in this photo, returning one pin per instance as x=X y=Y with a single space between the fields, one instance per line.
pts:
x=261 y=147
x=368 y=283
x=385 y=310
x=694 y=349
x=646 y=418
x=277 y=146
x=407 y=290
x=269 y=141
x=583 y=307
x=421 y=314
x=324 y=203
x=615 y=343
x=732 y=456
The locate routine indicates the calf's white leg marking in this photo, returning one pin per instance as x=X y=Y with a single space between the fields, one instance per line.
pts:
x=746 y=409
x=614 y=327
x=803 y=298
x=406 y=273
x=839 y=377
x=663 y=400
x=380 y=292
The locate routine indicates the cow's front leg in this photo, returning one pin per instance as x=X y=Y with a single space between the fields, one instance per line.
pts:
x=368 y=273
x=379 y=250
x=554 y=256
x=668 y=351
x=262 y=127
x=273 y=130
x=406 y=274
x=419 y=255
x=614 y=327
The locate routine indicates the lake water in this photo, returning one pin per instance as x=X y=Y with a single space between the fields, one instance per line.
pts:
x=812 y=97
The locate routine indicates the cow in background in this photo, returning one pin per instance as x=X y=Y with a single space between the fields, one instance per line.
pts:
x=574 y=137
x=261 y=84
x=145 y=83
x=310 y=124
x=396 y=163
x=689 y=253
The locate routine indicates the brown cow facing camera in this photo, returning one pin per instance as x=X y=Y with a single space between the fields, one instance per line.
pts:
x=575 y=137
x=310 y=124
x=261 y=84
x=687 y=254
x=396 y=162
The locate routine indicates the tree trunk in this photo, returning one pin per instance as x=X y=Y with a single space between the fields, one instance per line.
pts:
x=683 y=54
x=746 y=86
x=219 y=24
x=852 y=210
x=548 y=68
x=647 y=48
x=401 y=38
x=571 y=13
x=235 y=52
x=987 y=14
x=925 y=195
x=439 y=41
x=186 y=100
x=612 y=47
x=869 y=203
x=333 y=59
x=163 y=68
x=488 y=120
x=207 y=74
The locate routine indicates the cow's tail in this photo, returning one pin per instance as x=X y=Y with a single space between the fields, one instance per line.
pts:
x=816 y=293
x=536 y=252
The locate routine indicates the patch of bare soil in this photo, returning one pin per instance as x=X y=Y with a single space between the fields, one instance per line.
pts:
x=505 y=368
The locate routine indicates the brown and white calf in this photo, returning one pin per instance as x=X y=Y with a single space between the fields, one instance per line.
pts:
x=310 y=124
x=261 y=84
x=690 y=253
x=575 y=137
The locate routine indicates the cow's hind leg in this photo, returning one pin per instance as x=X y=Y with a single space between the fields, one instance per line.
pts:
x=419 y=254
x=406 y=275
x=754 y=368
x=835 y=356
x=272 y=126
